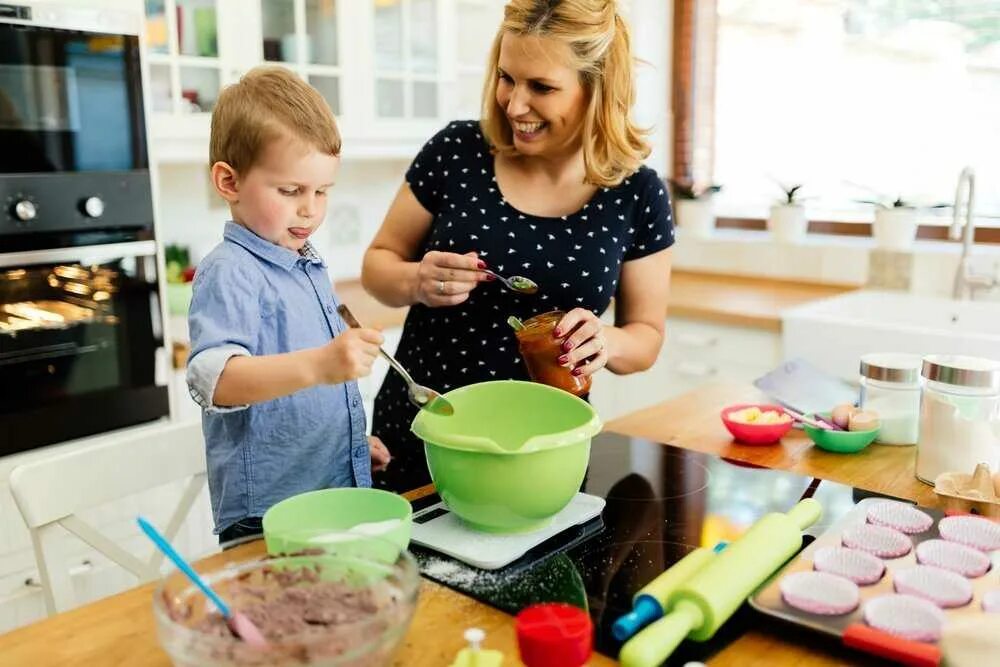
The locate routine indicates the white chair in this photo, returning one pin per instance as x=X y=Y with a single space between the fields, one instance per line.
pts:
x=51 y=491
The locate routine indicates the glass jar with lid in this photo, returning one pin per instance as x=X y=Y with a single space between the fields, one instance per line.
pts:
x=890 y=385
x=959 y=415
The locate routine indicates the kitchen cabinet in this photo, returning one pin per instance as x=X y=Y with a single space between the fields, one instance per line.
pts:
x=393 y=71
x=695 y=352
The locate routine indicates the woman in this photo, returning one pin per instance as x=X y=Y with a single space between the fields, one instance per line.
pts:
x=549 y=184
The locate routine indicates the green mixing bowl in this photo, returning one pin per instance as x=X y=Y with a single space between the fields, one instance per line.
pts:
x=513 y=454
x=368 y=522
x=840 y=442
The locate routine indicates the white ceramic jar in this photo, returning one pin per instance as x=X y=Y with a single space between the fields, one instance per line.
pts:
x=890 y=385
x=959 y=416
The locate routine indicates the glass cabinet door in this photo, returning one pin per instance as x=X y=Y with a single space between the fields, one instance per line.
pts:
x=303 y=34
x=183 y=46
x=407 y=67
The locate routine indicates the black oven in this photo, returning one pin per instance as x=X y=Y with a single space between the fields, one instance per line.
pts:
x=81 y=333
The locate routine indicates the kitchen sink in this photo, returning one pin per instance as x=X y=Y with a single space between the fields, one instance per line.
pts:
x=833 y=333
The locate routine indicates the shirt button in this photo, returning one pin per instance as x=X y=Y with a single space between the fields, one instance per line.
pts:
x=354 y=402
x=329 y=309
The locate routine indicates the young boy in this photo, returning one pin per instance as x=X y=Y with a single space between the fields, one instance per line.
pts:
x=272 y=364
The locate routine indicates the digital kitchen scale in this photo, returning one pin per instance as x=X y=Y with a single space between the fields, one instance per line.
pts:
x=438 y=529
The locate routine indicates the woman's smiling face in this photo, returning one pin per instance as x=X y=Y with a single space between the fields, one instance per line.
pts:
x=541 y=95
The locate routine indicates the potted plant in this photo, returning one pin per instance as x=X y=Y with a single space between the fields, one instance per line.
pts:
x=787 y=221
x=693 y=208
x=895 y=226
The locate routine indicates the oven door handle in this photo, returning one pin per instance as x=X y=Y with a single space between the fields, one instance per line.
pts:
x=92 y=254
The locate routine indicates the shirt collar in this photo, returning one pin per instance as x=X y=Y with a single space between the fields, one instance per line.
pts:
x=268 y=251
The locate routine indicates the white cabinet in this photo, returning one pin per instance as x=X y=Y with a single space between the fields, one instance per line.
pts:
x=695 y=352
x=393 y=71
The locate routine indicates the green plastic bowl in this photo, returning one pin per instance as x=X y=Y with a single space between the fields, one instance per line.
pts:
x=324 y=518
x=840 y=442
x=513 y=454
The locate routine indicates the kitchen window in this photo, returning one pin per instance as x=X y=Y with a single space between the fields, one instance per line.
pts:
x=854 y=99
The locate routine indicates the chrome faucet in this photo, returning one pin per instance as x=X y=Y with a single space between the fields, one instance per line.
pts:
x=966 y=280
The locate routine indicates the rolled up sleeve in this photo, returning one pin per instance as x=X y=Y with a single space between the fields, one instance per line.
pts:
x=224 y=320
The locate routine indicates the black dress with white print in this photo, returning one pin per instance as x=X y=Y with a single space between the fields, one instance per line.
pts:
x=575 y=259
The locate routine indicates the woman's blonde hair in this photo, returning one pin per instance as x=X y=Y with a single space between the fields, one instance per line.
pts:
x=613 y=146
x=268 y=103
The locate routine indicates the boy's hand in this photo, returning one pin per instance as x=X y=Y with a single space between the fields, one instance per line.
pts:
x=379 y=453
x=349 y=356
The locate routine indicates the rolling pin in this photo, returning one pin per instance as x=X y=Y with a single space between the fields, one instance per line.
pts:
x=705 y=601
x=650 y=603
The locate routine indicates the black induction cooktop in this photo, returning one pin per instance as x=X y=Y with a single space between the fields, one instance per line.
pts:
x=662 y=502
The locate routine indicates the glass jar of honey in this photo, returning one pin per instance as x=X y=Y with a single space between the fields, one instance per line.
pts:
x=541 y=350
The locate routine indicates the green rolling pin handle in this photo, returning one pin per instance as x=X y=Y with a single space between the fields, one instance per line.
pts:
x=656 y=642
x=805 y=513
x=648 y=604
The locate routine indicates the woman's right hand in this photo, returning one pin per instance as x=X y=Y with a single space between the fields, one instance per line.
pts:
x=447 y=278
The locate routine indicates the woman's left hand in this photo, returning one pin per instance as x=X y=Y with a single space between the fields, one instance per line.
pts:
x=584 y=345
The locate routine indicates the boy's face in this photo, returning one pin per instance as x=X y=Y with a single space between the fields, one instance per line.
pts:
x=283 y=197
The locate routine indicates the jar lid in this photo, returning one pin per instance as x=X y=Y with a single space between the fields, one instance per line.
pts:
x=962 y=371
x=891 y=367
x=554 y=635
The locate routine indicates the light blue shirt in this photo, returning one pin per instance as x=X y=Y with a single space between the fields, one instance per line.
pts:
x=252 y=297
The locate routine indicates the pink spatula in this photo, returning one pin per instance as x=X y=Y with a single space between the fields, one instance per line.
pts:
x=240 y=625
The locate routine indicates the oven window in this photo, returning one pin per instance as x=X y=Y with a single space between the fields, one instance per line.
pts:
x=69 y=101
x=68 y=330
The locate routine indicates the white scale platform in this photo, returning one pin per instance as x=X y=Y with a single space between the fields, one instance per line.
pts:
x=447 y=533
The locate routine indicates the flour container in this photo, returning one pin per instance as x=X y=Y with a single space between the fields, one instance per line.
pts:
x=959 y=415
x=890 y=385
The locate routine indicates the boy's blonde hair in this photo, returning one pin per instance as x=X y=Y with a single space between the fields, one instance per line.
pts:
x=613 y=146
x=268 y=103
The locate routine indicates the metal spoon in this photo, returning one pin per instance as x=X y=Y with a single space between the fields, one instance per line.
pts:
x=514 y=283
x=423 y=397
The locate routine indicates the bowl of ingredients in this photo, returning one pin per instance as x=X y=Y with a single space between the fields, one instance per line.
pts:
x=846 y=429
x=333 y=609
x=756 y=424
x=369 y=521
x=513 y=454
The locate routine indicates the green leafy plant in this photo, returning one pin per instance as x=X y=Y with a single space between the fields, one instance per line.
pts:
x=791 y=194
x=686 y=189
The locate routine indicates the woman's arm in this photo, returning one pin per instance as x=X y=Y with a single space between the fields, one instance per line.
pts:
x=393 y=272
x=634 y=342
x=640 y=313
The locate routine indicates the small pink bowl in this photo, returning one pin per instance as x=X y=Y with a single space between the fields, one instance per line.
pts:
x=755 y=434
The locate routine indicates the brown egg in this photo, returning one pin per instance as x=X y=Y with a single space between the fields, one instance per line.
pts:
x=863 y=420
x=841 y=415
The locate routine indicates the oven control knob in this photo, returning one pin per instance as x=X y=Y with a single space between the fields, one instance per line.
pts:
x=25 y=210
x=92 y=207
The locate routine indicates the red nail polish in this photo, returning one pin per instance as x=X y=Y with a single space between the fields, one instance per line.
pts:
x=481 y=264
x=563 y=359
x=577 y=371
x=557 y=333
x=490 y=277
x=567 y=346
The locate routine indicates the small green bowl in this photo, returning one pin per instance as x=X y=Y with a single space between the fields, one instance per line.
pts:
x=840 y=442
x=318 y=519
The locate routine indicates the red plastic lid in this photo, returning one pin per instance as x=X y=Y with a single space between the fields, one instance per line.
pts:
x=554 y=635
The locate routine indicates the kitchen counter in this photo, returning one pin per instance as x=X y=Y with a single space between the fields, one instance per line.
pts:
x=727 y=299
x=120 y=630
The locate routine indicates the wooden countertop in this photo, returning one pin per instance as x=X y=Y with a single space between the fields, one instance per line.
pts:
x=738 y=300
x=119 y=630
x=742 y=300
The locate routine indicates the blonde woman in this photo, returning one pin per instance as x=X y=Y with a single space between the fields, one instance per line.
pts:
x=548 y=184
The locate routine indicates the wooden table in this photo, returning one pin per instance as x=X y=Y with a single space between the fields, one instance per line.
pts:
x=119 y=630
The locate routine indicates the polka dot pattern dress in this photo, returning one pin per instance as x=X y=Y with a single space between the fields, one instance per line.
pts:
x=575 y=259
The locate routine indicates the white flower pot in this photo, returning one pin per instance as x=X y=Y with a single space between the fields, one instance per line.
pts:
x=788 y=223
x=895 y=228
x=696 y=216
